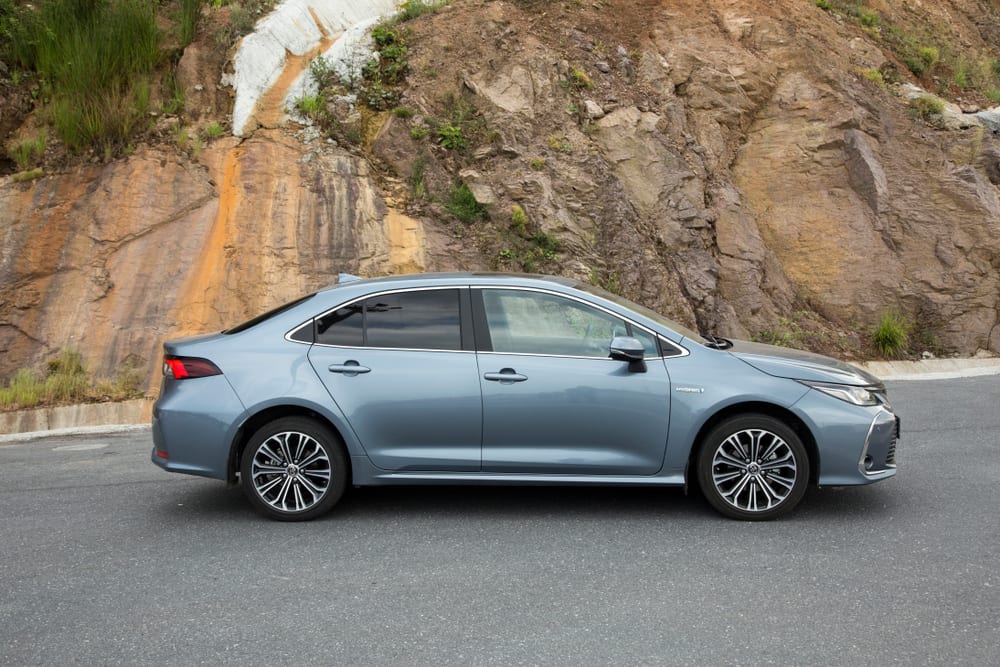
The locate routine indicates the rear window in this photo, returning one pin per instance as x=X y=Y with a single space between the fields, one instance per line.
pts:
x=249 y=324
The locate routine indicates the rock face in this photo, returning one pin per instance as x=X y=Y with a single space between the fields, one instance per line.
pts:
x=111 y=260
x=720 y=161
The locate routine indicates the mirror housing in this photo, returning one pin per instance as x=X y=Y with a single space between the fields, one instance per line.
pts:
x=627 y=348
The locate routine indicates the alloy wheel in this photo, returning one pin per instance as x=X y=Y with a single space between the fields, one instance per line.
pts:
x=291 y=471
x=754 y=470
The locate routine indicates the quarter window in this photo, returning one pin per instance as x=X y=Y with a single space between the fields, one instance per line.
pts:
x=426 y=320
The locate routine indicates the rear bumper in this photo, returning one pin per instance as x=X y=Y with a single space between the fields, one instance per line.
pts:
x=192 y=421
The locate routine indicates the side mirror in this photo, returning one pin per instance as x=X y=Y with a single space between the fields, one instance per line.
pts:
x=626 y=348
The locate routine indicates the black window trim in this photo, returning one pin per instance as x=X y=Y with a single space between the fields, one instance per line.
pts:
x=466 y=331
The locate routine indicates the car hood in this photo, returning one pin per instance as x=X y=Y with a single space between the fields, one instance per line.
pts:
x=799 y=365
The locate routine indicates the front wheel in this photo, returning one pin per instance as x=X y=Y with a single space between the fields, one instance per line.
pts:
x=293 y=469
x=753 y=467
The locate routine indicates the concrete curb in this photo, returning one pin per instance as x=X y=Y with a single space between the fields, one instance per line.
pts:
x=8 y=438
x=932 y=369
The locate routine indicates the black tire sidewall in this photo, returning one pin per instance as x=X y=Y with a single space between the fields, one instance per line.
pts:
x=331 y=446
x=719 y=433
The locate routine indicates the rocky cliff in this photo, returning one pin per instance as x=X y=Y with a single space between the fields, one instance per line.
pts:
x=726 y=162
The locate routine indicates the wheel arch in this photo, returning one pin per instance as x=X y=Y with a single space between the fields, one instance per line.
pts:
x=784 y=415
x=267 y=415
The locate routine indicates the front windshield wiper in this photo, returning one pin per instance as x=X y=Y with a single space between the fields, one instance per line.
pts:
x=717 y=342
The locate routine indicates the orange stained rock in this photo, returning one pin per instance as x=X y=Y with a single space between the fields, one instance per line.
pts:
x=406 y=243
x=200 y=303
x=270 y=109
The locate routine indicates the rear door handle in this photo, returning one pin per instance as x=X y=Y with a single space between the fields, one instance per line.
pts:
x=505 y=376
x=349 y=368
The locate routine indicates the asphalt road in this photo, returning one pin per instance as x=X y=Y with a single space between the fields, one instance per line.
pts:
x=105 y=559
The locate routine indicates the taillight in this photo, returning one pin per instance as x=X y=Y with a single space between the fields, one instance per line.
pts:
x=185 y=368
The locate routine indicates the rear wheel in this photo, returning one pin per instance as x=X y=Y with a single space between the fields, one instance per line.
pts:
x=753 y=467
x=293 y=469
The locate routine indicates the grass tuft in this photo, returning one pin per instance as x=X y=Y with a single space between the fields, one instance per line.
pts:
x=66 y=380
x=891 y=336
x=462 y=204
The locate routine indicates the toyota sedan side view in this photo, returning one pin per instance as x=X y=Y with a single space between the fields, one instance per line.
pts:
x=509 y=379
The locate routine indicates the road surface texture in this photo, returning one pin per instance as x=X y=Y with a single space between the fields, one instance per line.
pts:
x=106 y=559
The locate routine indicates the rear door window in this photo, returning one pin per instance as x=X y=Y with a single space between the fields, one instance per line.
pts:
x=422 y=319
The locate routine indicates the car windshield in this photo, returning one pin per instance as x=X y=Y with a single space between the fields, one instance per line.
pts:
x=642 y=310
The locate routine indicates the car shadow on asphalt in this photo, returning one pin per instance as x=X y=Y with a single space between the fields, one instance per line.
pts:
x=213 y=500
x=209 y=500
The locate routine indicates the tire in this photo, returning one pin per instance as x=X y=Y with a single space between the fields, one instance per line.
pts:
x=753 y=467
x=293 y=469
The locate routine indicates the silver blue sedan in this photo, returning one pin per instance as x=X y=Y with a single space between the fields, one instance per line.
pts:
x=505 y=379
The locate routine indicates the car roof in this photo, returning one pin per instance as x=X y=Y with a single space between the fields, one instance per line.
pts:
x=452 y=278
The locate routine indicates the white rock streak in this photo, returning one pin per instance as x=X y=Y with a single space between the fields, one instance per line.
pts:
x=297 y=27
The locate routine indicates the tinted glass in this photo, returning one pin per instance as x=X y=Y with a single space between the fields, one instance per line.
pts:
x=249 y=324
x=539 y=323
x=343 y=326
x=426 y=320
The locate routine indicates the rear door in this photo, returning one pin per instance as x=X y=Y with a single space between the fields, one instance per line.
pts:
x=402 y=368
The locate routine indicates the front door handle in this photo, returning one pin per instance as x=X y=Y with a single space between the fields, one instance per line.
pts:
x=505 y=376
x=349 y=368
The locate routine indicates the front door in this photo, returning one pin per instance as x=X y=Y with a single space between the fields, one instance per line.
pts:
x=553 y=402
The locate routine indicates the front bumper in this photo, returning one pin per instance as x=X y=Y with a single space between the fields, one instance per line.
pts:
x=855 y=444
x=878 y=458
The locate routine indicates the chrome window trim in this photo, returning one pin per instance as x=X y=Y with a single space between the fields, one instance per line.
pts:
x=682 y=352
x=293 y=330
x=392 y=349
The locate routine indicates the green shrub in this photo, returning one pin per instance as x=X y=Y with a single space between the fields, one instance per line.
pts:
x=518 y=219
x=929 y=55
x=926 y=106
x=868 y=18
x=322 y=73
x=891 y=336
x=451 y=137
x=213 y=130
x=418 y=186
x=415 y=8
x=29 y=150
x=579 y=79
x=993 y=95
x=463 y=205
x=915 y=65
x=310 y=105
x=547 y=244
x=29 y=175
x=823 y=4
x=874 y=75
x=190 y=16
x=66 y=380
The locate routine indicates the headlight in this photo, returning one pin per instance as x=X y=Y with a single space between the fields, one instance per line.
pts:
x=846 y=392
